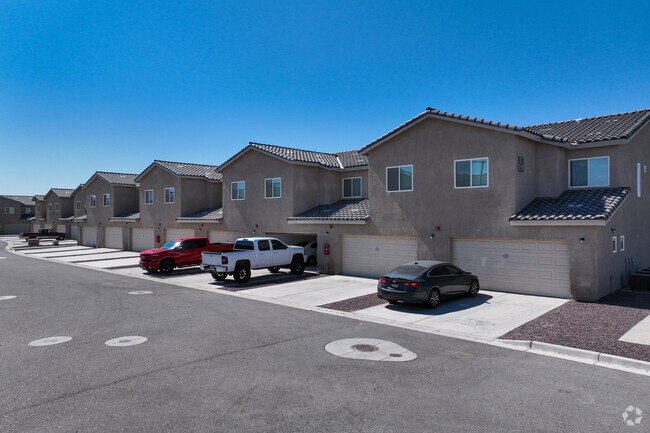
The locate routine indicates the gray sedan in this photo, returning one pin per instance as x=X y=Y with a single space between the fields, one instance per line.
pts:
x=426 y=282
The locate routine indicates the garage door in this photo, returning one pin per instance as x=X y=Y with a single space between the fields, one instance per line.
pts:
x=373 y=256
x=178 y=233
x=61 y=228
x=47 y=226
x=225 y=237
x=35 y=228
x=14 y=229
x=89 y=236
x=142 y=239
x=74 y=232
x=113 y=237
x=531 y=267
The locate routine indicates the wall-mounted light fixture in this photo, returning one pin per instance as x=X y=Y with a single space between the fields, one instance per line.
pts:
x=582 y=240
x=431 y=236
x=613 y=230
x=327 y=233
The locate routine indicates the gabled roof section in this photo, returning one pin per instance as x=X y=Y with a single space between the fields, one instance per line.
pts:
x=592 y=129
x=60 y=192
x=184 y=169
x=38 y=198
x=344 y=211
x=206 y=215
x=22 y=199
x=79 y=188
x=128 y=217
x=588 y=206
x=339 y=160
x=121 y=179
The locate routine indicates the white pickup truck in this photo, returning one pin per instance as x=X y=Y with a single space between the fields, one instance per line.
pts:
x=253 y=253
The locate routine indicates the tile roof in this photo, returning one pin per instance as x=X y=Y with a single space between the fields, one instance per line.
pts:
x=39 y=197
x=191 y=170
x=61 y=192
x=298 y=155
x=118 y=178
x=581 y=204
x=27 y=200
x=343 y=210
x=352 y=158
x=131 y=216
x=588 y=130
x=210 y=214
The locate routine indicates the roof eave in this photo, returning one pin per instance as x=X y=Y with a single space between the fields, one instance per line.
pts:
x=198 y=221
x=330 y=222
x=556 y=223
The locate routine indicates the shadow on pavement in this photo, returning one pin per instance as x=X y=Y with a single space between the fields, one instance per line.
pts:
x=449 y=305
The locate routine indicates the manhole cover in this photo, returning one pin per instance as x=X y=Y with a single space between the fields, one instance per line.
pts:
x=369 y=349
x=130 y=340
x=49 y=341
x=365 y=348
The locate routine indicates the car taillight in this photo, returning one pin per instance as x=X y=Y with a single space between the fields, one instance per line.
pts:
x=415 y=285
x=381 y=281
x=224 y=260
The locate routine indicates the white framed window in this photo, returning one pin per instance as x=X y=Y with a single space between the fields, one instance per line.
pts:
x=614 y=244
x=107 y=200
x=38 y=208
x=471 y=173
x=622 y=245
x=399 y=178
x=10 y=210
x=169 y=195
x=57 y=207
x=27 y=211
x=589 y=172
x=273 y=187
x=238 y=190
x=352 y=187
x=93 y=200
x=78 y=205
x=49 y=207
x=148 y=196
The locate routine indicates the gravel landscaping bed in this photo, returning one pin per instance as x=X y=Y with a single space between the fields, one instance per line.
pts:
x=592 y=326
x=354 y=304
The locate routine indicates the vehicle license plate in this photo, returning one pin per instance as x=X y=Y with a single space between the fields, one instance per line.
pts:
x=394 y=285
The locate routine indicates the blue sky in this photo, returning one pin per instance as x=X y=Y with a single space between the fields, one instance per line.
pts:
x=91 y=86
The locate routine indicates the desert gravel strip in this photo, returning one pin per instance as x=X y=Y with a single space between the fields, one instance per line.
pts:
x=592 y=326
x=355 y=304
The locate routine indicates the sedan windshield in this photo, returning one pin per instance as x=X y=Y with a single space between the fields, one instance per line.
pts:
x=170 y=245
x=407 y=272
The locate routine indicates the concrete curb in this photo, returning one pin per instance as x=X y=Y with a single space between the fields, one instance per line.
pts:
x=579 y=355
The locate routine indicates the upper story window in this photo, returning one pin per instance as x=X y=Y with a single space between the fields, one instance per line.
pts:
x=148 y=196
x=238 y=190
x=93 y=200
x=399 y=178
x=471 y=173
x=169 y=195
x=589 y=172
x=352 y=187
x=57 y=207
x=27 y=211
x=38 y=208
x=273 y=188
x=10 y=210
x=49 y=207
x=78 y=205
x=107 y=200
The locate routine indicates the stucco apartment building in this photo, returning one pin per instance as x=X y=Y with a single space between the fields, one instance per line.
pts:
x=15 y=211
x=53 y=210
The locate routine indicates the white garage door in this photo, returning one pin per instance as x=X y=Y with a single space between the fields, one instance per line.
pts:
x=74 y=232
x=142 y=239
x=89 y=236
x=178 y=233
x=225 y=237
x=61 y=228
x=36 y=227
x=47 y=226
x=531 y=267
x=113 y=237
x=373 y=256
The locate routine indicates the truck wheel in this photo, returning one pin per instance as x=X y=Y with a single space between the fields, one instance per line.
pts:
x=311 y=261
x=274 y=269
x=219 y=276
x=61 y=238
x=242 y=273
x=297 y=265
x=166 y=267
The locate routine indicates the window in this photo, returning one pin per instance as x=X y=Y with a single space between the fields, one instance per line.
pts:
x=49 y=207
x=57 y=207
x=273 y=188
x=27 y=211
x=614 y=239
x=148 y=196
x=10 y=210
x=471 y=173
x=78 y=205
x=589 y=172
x=107 y=200
x=263 y=246
x=399 y=178
x=38 y=208
x=277 y=245
x=622 y=243
x=352 y=187
x=238 y=190
x=93 y=200
x=169 y=195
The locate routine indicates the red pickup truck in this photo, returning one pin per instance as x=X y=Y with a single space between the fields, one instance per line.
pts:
x=178 y=253
x=44 y=233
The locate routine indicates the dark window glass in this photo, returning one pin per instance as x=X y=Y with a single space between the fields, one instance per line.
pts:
x=277 y=245
x=263 y=246
x=579 y=172
x=200 y=243
x=453 y=270
x=406 y=178
x=244 y=245
x=462 y=173
x=393 y=179
x=438 y=271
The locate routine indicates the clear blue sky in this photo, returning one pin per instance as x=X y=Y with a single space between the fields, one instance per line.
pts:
x=91 y=86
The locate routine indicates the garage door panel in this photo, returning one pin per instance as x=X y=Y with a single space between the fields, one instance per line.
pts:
x=535 y=267
x=216 y=236
x=373 y=256
x=61 y=228
x=89 y=236
x=142 y=239
x=178 y=234
x=113 y=237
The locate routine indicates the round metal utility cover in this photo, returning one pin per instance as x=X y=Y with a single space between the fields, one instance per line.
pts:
x=130 y=340
x=369 y=349
x=49 y=341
